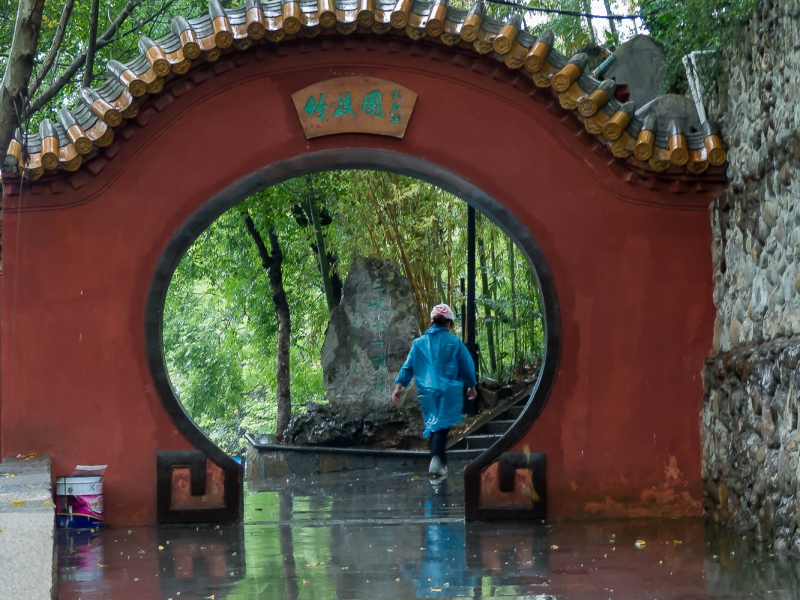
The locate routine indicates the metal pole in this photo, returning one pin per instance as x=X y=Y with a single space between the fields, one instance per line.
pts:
x=463 y=312
x=470 y=408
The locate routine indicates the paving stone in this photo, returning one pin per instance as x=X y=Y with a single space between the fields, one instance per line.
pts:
x=27 y=528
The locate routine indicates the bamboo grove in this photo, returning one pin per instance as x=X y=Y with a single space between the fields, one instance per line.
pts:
x=222 y=327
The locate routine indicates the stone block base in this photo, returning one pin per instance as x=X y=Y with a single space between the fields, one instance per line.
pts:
x=27 y=530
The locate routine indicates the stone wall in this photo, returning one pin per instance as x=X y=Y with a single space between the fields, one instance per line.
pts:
x=749 y=414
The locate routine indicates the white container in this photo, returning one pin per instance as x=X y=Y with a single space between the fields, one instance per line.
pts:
x=79 y=502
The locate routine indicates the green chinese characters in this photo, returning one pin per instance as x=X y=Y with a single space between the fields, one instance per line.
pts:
x=372 y=105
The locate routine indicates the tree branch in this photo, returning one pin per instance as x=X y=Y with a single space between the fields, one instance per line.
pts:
x=54 y=47
x=103 y=41
x=266 y=259
x=149 y=19
x=91 y=50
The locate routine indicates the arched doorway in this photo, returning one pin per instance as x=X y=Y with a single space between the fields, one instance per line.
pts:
x=347 y=159
x=83 y=248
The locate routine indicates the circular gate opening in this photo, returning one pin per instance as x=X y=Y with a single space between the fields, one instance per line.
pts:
x=215 y=316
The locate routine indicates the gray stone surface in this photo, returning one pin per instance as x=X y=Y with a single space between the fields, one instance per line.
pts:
x=672 y=107
x=367 y=341
x=27 y=529
x=756 y=223
x=639 y=65
x=751 y=461
x=750 y=409
x=369 y=336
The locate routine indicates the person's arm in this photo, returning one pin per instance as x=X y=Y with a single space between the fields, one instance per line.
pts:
x=404 y=376
x=466 y=370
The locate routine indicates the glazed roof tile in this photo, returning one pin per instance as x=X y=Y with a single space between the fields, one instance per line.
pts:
x=662 y=149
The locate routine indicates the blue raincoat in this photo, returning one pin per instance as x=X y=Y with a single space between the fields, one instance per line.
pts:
x=441 y=364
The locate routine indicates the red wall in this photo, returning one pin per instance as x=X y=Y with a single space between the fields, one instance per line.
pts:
x=633 y=280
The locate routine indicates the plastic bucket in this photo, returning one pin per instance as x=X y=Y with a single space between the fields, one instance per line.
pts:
x=79 y=502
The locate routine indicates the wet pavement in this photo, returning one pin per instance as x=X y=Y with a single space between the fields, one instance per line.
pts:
x=376 y=535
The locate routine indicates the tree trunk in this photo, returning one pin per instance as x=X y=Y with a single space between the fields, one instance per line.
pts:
x=92 y=45
x=512 y=268
x=14 y=87
x=322 y=255
x=487 y=312
x=273 y=265
x=586 y=7
x=611 y=24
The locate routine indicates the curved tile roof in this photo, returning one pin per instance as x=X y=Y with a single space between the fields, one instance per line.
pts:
x=662 y=149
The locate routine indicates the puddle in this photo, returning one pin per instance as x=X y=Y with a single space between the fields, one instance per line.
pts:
x=377 y=535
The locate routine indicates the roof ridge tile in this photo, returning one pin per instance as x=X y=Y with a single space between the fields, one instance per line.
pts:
x=659 y=147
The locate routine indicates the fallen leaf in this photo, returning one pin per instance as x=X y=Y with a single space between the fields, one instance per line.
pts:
x=534 y=496
x=553 y=547
x=161 y=547
x=17 y=503
x=640 y=544
x=306 y=582
x=676 y=542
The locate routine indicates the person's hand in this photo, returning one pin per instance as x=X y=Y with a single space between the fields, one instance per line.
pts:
x=472 y=393
x=396 y=394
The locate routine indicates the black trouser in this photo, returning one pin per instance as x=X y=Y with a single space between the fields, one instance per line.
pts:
x=439 y=444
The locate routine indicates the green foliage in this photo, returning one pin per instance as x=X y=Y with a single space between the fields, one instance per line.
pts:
x=572 y=33
x=690 y=25
x=220 y=327
x=149 y=17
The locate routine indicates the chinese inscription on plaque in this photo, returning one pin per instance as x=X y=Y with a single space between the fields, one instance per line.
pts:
x=354 y=105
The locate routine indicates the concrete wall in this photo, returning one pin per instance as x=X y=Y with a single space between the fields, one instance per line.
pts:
x=749 y=417
x=629 y=264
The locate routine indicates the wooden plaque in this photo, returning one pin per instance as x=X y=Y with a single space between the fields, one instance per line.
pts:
x=354 y=105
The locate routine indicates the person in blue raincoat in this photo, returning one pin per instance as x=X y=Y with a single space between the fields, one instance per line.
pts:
x=442 y=365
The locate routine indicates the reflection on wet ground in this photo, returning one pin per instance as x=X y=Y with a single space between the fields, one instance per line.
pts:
x=374 y=536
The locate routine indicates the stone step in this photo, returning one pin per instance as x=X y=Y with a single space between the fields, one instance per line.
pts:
x=463 y=455
x=496 y=427
x=476 y=442
x=513 y=412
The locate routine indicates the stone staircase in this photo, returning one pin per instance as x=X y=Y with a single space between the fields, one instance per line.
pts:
x=487 y=433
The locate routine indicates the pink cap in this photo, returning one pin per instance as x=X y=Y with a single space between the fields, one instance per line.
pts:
x=444 y=310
